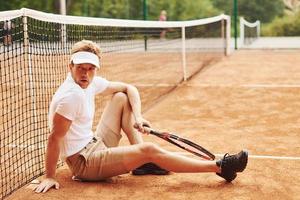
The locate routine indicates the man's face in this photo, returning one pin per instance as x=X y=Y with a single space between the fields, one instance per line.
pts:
x=83 y=74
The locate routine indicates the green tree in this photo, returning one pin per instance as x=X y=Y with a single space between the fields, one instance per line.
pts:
x=41 y=5
x=125 y=9
x=288 y=25
x=182 y=10
x=263 y=10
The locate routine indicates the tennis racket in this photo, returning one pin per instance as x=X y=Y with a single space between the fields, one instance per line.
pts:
x=182 y=143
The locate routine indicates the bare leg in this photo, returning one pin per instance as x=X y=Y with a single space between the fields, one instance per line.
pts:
x=139 y=154
x=118 y=115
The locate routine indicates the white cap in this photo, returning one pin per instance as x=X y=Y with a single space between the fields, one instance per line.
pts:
x=85 y=57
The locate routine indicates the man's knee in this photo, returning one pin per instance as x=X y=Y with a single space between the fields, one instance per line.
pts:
x=120 y=97
x=149 y=149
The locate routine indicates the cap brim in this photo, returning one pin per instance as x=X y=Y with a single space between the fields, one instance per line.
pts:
x=85 y=57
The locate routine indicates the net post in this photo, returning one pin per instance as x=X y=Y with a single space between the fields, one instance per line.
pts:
x=242 y=31
x=145 y=16
x=64 y=36
x=223 y=22
x=228 y=35
x=145 y=42
x=183 y=51
x=63 y=11
x=235 y=14
x=28 y=64
x=26 y=38
x=258 y=29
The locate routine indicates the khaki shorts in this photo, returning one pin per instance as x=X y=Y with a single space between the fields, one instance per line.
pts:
x=98 y=160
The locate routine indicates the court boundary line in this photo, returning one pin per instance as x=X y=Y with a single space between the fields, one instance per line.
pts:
x=222 y=85
x=270 y=157
x=271 y=85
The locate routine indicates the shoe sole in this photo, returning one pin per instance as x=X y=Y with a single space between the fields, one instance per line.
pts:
x=157 y=172
x=135 y=173
x=227 y=178
x=244 y=159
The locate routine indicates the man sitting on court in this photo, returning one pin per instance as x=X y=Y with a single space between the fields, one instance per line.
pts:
x=97 y=156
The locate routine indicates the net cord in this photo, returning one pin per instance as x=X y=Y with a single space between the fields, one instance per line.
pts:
x=65 y=19
x=227 y=21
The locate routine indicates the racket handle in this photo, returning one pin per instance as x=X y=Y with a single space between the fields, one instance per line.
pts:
x=148 y=129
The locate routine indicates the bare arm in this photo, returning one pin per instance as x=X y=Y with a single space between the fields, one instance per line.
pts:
x=60 y=127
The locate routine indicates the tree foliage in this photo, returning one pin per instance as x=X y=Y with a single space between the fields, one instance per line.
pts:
x=286 y=26
x=42 y=5
x=182 y=10
x=263 y=10
x=124 y=9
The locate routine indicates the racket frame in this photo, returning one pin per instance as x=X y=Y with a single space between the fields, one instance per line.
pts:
x=207 y=155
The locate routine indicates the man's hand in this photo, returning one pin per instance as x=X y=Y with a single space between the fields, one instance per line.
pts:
x=140 y=123
x=46 y=184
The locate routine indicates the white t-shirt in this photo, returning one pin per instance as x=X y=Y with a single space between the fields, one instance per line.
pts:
x=77 y=105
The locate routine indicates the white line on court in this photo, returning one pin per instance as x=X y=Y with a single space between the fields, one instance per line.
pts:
x=155 y=85
x=224 y=85
x=266 y=157
x=271 y=86
x=247 y=85
x=255 y=156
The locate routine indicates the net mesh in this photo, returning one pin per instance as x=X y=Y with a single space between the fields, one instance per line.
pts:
x=34 y=63
x=250 y=35
x=249 y=31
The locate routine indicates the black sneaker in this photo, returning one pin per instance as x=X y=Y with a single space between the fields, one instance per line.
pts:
x=231 y=164
x=149 y=168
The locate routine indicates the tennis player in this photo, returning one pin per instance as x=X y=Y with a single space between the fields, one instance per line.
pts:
x=7 y=32
x=163 y=17
x=97 y=156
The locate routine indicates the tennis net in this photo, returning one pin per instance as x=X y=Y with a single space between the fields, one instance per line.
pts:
x=34 y=55
x=249 y=32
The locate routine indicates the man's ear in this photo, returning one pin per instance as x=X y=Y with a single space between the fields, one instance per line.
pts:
x=71 y=65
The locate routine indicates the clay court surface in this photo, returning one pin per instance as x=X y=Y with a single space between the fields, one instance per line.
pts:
x=248 y=100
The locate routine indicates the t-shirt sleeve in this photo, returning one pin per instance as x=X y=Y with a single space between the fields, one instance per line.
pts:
x=70 y=105
x=100 y=84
